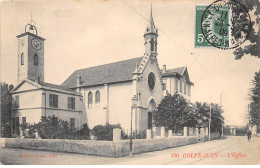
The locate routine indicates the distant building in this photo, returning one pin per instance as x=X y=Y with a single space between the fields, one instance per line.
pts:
x=100 y=94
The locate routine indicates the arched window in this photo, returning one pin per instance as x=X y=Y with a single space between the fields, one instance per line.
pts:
x=97 y=96
x=151 y=109
x=151 y=80
x=35 y=60
x=22 y=59
x=89 y=99
x=152 y=44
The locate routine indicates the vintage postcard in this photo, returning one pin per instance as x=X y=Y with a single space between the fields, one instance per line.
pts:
x=130 y=82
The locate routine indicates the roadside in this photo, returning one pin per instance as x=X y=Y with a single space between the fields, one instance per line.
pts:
x=217 y=147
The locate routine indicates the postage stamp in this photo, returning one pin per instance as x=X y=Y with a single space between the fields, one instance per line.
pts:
x=224 y=24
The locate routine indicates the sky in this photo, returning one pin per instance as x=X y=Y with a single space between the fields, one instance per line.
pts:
x=86 y=33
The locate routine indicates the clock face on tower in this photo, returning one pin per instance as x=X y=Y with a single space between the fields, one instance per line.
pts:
x=36 y=44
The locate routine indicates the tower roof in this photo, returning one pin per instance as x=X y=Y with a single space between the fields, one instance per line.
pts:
x=151 y=26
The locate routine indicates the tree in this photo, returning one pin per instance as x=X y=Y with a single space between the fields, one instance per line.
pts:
x=217 y=120
x=254 y=37
x=6 y=107
x=174 y=112
x=254 y=111
x=203 y=114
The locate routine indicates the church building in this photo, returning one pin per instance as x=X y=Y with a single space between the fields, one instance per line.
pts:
x=96 y=95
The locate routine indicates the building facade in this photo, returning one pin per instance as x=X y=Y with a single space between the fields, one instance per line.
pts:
x=96 y=95
x=34 y=98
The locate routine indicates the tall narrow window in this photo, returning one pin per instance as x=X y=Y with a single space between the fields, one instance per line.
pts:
x=71 y=103
x=152 y=44
x=97 y=96
x=89 y=99
x=189 y=90
x=24 y=120
x=176 y=84
x=17 y=105
x=53 y=100
x=36 y=60
x=22 y=59
x=185 y=88
x=180 y=86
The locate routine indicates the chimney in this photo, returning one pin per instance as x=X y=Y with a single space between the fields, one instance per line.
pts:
x=164 y=68
x=78 y=83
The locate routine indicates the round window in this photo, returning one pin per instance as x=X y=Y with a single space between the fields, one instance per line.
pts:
x=151 y=80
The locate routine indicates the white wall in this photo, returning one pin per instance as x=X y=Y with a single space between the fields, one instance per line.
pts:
x=120 y=104
x=96 y=115
x=171 y=86
x=66 y=115
x=32 y=105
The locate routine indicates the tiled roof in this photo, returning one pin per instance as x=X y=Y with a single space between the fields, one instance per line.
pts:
x=104 y=74
x=47 y=86
x=59 y=87
x=176 y=72
x=179 y=71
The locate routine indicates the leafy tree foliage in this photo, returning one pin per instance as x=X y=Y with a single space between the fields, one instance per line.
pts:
x=254 y=37
x=254 y=112
x=203 y=114
x=6 y=105
x=105 y=132
x=50 y=128
x=174 y=112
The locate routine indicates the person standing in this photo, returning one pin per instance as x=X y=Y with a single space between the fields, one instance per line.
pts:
x=249 y=134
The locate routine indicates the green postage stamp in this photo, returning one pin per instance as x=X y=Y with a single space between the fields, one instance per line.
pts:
x=220 y=32
x=223 y=24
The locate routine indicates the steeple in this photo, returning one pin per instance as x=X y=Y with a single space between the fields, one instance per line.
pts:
x=150 y=35
x=151 y=26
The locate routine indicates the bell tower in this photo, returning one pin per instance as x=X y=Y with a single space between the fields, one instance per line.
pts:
x=150 y=37
x=30 y=55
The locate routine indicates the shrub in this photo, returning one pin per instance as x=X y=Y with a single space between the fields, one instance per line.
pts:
x=105 y=132
x=84 y=133
x=50 y=128
x=139 y=134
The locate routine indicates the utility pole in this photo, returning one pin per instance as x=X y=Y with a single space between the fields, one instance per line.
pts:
x=209 y=119
x=222 y=134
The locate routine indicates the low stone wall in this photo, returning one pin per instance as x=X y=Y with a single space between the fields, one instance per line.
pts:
x=213 y=135
x=101 y=148
x=148 y=145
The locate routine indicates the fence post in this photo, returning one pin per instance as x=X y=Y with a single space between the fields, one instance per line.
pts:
x=116 y=134
x=162 y=132
x=185 y=131
x=169 y=133
x=154 y=132
x=202 y=134
x=197 y=134
x=148 y=134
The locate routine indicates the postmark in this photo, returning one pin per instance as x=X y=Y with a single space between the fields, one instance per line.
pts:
x=225 y=24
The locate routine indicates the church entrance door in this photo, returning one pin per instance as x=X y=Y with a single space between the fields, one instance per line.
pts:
x=151 y=109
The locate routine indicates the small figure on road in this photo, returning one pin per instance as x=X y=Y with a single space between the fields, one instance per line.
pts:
x=249 y=134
